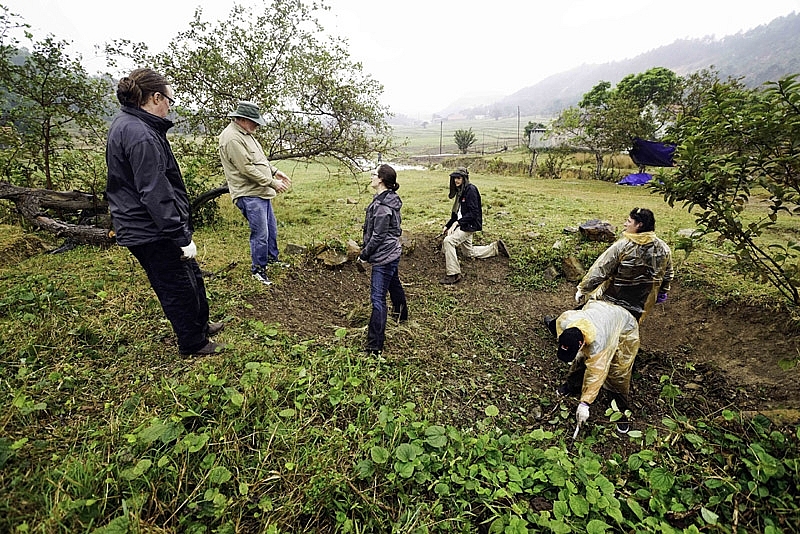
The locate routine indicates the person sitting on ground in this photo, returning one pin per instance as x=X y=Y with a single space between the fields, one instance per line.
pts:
x=466 y=218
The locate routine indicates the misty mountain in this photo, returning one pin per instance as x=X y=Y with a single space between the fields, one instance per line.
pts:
x=765 y=53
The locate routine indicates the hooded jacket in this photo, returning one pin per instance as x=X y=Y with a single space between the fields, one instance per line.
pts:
x=631 y=273
x=469 y=199
x=145 y=190
x=611 y=341
x=382 y=229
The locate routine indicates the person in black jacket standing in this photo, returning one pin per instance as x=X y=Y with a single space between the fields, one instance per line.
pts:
x=382 y=248
x=150 y=207
x=466 y=219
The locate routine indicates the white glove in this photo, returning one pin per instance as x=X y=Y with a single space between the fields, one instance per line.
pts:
x=582 y=413
x=578 y=296
x=189 y=251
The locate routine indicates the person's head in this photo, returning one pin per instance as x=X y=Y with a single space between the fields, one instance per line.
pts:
x=385 y=176
x=458 y=178
x=569 y=343
x=640 y=220
x=248 y=116
x=146 y=89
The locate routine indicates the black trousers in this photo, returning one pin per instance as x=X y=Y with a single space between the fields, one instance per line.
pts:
x=180 y=290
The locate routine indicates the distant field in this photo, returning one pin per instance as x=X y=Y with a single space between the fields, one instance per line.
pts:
x=437 y=136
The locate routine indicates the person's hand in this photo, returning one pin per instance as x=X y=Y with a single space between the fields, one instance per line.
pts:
x=452 y=229
x=578 y=296
x=582 y=413
x=279 y=185
x=361 y=265
x=189 y=251
x=662 y=297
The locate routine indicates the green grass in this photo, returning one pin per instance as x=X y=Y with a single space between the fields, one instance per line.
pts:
x=103 y=427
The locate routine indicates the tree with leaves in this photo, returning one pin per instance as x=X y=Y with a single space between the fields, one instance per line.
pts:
x=464 y=139
x=733 y=141
x=607 y=119
x=47 y=99
x=317 y=101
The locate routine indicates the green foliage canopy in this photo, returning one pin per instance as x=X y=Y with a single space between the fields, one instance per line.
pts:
x=316 y=100
x=741 y=141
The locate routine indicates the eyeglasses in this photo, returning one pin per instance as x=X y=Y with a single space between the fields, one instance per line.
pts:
x=171 y=101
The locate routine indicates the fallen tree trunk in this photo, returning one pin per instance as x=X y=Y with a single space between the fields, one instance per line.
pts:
x=33 y=203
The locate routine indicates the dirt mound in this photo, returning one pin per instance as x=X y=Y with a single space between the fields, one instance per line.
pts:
x=482 y=341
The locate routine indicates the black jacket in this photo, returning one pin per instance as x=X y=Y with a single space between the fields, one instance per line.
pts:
x=145 y=191
x=382 y=229
x=471 y=213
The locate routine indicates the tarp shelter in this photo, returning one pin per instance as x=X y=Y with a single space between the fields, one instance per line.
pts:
x=651 y=153
x=639 y=178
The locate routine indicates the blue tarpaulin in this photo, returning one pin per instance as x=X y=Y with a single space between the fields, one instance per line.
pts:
x=639 y=178
x=652 y=153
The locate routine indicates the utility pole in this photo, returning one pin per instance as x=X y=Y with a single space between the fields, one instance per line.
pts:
x=517 y=126
x=441 y=128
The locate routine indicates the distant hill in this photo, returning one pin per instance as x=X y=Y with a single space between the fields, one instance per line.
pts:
x=762 y=54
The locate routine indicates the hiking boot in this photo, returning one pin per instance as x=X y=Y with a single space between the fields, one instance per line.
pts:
x=261 y=275
x=550 y=322
x=451 y=279
x=215 y=328
x=501 y=249
x=208 y=348
x=623 y=425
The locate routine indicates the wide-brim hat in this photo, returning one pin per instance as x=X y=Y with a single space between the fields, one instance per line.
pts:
x=248 y=110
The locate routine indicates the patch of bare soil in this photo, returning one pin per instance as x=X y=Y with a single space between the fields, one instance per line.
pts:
x=482 y=341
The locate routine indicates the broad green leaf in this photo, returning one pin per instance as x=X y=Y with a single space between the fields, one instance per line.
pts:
x=595 y=526
x=405 y=452
x=379 y=455
x=492 y=411
x=404 y=469
x=560 y=509
x=219 y=475
x=436 y=436
x=710 y=517
x=635 y=508
x=287 y=413
x=661 y=479
x=579 y=505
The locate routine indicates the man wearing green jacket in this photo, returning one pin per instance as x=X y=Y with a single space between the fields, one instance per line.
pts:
x=253 y=182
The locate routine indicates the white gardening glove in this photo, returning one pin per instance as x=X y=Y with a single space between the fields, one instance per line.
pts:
x=578 y=296
x=582 y=413
x=189 y=251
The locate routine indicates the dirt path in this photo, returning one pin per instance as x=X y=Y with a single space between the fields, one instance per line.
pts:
x=717 y=358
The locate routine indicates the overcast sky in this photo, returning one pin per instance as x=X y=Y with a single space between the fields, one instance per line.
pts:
x=430 y=53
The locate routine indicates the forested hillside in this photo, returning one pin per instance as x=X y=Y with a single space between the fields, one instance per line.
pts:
x=763 y=54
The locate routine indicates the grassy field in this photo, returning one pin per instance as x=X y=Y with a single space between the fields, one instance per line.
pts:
x=104 y=428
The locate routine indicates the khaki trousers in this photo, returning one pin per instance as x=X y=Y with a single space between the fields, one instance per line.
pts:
x=463 y=240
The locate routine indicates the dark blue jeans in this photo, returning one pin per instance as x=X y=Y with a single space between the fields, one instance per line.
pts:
x=263 y=230
x=180 y=290
x=385 y=279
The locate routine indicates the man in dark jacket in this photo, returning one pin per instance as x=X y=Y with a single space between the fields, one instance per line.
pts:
x=466 y=219
x=150 y=207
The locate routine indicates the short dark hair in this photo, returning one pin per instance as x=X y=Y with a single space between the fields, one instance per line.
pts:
x=388 y=176
x=644 y=217
x=135 y=88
